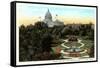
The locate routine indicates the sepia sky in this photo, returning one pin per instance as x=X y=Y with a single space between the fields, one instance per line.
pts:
x=30 y=13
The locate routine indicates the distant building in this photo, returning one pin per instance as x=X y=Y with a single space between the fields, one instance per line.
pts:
x=48 y=20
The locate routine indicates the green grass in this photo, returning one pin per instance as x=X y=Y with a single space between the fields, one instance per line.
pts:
x=88 y=43
x=69 y=44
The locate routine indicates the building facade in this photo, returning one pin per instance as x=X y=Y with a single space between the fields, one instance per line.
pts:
x=49 y=21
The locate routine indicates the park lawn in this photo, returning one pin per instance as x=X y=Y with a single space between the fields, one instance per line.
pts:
x=69 y=44
x=88 y=43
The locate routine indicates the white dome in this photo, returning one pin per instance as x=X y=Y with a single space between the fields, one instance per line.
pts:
x=48 y=15
x=48 y=20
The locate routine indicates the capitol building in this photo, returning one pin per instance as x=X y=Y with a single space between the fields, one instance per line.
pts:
x=48 y=20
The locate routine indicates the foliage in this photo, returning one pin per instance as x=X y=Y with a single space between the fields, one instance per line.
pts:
x=34 y=41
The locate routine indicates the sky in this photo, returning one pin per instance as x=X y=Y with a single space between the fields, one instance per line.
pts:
x=30 y=13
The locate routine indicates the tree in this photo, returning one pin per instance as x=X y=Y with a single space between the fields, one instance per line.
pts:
x=91 y=54
x=34 y=41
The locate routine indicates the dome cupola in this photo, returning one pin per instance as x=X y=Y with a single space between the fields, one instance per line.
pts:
x=48 y=15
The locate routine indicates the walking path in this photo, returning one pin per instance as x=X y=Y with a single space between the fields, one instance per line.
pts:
x=82 y=44
x=63 y=44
